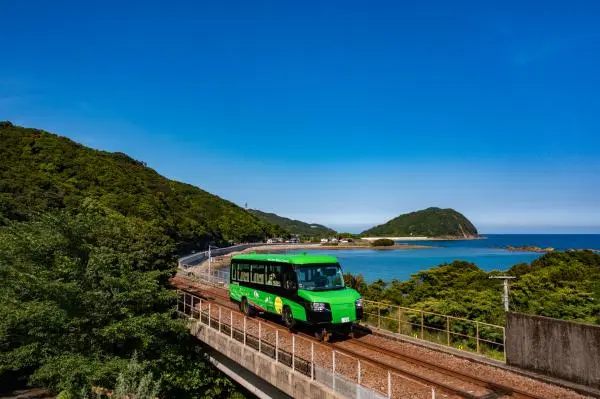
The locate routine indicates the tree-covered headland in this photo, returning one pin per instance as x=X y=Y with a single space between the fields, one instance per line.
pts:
x=41 y=172
x=430 y=222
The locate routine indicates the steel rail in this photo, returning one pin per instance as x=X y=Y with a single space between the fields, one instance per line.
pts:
x=491 y=385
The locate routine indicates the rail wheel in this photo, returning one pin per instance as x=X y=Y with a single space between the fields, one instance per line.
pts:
x=288 y=318
x=322 y=334
x=246 y=308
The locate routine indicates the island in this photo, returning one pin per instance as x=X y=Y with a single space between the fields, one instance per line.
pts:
x=425 y=224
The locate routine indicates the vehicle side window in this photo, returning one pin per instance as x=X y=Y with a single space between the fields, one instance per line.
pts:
x=234 y=269
x=258 y=274
x=244 y=272
x=289 y=279
x=274 y=275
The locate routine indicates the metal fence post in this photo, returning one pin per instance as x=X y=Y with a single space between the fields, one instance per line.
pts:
x=312 y=360
x=358 y=368
x=185 y=304
x=378 y=316
x=448 y=329
x=432 y=393
x=244 y=330
x=422 y=324
x=477 y=331
x=199 y=312
x=276 y=346
x=293 y=353
x=259 y=337
x=219 y=319
x=504 y=342
x=209 y=314
x=231 y=324
x=333 y=367
x=389 y=384
x=399 y=321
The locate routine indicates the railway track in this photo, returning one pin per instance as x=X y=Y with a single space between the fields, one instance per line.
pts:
x=496 y=390
x=357 y=348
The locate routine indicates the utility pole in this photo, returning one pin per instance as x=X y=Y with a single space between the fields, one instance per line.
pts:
x=505 y=283
x=210 y=261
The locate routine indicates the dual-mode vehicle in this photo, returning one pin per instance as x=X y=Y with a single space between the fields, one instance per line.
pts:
x=301 y=288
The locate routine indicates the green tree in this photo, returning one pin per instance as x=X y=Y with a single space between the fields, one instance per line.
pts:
x=81 y=293
x=383 y=242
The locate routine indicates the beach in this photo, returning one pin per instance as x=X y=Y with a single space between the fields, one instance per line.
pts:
x=221 y=261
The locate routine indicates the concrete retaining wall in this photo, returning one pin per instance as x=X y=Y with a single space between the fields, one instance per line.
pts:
x=278 y=375
x=554 y=347
x=197 y=258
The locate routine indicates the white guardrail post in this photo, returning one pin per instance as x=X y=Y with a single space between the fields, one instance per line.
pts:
x=312 y=360
x=293 y=353
x=333 y=367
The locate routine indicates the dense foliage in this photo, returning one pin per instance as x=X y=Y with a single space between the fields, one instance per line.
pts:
x=295 y=226
x=564 y=285
x=81 y=293
x=40 y=172
x=383 y=242
x=430 y=222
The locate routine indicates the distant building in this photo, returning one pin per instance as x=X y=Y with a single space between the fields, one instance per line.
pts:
x=323 y=240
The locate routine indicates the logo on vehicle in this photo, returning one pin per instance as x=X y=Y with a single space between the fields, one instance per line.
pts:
x=256 y=294
x=278 y=305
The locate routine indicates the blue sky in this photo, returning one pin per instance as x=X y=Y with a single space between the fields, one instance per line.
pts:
x=339 y=112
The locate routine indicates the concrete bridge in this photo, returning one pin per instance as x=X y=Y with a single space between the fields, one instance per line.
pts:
x=267 y=360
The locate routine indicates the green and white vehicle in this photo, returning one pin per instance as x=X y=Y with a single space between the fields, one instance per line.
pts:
x=301 y=288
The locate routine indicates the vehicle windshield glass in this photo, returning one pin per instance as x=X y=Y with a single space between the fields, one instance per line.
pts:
x=320 y=277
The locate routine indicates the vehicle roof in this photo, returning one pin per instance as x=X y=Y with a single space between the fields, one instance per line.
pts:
x=294 y=259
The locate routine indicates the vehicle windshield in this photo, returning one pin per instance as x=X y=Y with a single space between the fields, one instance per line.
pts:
x=320 y=277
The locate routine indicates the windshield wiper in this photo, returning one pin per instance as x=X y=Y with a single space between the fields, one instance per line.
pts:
x=337 y=287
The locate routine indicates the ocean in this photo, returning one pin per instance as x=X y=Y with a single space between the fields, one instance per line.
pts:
x=488 y=254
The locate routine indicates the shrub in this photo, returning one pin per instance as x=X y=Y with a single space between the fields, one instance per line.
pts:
x=383 y=242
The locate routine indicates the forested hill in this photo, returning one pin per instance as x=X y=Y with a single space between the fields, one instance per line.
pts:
x=430 y=222
x=294 y=226
x=40 y=171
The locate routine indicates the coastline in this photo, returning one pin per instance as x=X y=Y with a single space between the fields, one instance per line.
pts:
x=291 y=247
x=412 y=238
x=222 y=261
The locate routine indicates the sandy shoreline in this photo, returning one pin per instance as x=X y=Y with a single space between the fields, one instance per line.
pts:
x=411 y=238
x=299 y=247
x=221 y=261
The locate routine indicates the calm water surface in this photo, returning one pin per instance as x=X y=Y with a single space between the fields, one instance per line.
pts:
x=487 y=254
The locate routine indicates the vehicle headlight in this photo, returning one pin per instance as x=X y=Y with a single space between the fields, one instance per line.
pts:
x=359 y=303
x=318 y=307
